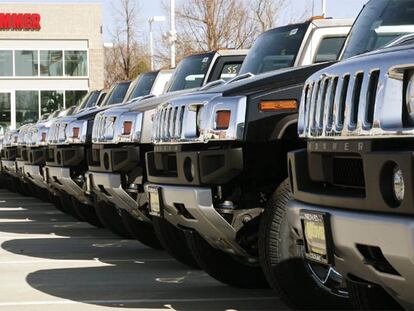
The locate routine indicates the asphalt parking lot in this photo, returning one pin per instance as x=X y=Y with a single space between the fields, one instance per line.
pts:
x=49 y=261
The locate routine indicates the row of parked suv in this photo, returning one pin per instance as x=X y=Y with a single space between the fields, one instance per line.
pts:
x=290 y=164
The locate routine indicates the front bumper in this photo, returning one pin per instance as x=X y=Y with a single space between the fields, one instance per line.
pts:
x=192 y=208
x=34 y=173
x=171 y=165
x=108 y=187
x=119 y=159
x=9 y=167
x=389 y=237
x=352 y=180
x=65 y=156
x=60 y=178
x=36 y=155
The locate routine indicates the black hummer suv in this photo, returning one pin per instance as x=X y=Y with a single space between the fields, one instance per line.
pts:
x=217 y=152
x=351 y=213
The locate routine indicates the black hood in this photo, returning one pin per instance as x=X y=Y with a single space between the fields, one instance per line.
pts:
x=153 y=102
x=266 y=81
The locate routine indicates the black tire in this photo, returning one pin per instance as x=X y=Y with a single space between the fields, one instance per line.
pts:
x=174 y=242
x=370 y=297
x=12 y=184
x=42 y=194
x=225 y=267
x=54 y=198
x=282 y=260
x=110 y=219
x=141 y=231
x=23 y=188
x=87 y=213
x=38 y=192
x=66 y=202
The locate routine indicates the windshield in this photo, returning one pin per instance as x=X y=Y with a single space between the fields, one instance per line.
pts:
x=53 y=115
x=143 y=86
x=380 y=22
x=275 y=49
x=116 y=95
x=190 y=72
x=89 y=101
x=84 y=101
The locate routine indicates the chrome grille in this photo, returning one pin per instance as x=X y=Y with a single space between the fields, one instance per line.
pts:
x=338 y=105
x=57 y=133
x=168 y=123
x=103 y=128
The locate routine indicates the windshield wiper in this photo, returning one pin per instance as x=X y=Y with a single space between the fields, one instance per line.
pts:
x=241 y=77
x=212 y=84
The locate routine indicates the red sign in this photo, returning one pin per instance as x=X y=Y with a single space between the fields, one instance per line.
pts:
x=19 y=21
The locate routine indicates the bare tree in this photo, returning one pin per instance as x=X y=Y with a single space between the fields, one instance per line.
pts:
x=267 y=12
x=214 y=24
x=126 y=59
x=205 y=25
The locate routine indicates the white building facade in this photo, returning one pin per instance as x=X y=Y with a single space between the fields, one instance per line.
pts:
x=51 y=55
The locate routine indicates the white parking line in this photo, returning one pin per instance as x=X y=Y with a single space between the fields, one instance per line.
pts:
x=100 y=260
x=131 y=301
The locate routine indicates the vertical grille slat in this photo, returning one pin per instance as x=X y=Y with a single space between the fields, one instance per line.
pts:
x=181 y=120
x=173 y=122
x=307 y=107
x=356 y=95
x=321 y=106
x=302 y=110
x=158 y=124
x=163 y=115
x=342 y=103
x=329 y=110
x=312 y=110
x=371 y=98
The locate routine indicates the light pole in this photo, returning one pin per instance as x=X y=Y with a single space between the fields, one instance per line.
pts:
x=324 y=8
x=152 y=20
x=173 y=34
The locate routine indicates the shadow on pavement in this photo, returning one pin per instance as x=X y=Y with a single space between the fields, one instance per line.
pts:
x=97 y=268
x=148 y=286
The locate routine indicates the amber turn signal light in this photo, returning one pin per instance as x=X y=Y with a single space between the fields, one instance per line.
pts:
x=223 y=119
x=278 y=105
x=127 y=127
x=75 y=132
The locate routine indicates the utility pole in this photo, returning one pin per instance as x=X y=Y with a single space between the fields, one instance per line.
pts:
x=324 y=8
x=173 y=34
x=152 y=20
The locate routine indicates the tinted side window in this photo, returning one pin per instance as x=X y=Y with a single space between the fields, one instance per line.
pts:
x=230 y=70
x=329 y=49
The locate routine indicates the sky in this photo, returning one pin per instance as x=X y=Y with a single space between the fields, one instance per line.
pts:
x=335 y=8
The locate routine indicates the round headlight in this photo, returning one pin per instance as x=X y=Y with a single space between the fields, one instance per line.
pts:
x=409 y=96
x=398 y=184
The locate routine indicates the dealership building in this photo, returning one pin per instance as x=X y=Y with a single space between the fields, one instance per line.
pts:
x=50 y=56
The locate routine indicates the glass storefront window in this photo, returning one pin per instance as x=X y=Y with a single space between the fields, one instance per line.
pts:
x=26 y=63
x=74 y=97
x=76 y=63
x=6 y=63
x=51 y=101
x=27 y=107
x=51 y=63
x=5 y=111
